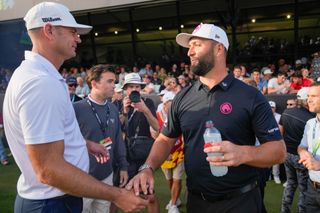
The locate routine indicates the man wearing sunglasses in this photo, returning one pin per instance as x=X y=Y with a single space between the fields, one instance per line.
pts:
x=72 y=85
x=292 y=123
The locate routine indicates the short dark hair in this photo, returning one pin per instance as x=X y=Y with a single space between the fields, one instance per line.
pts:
x=282 y=74
x=96 y=71
x=255 y=70
x=237 y=67
x=297 y=74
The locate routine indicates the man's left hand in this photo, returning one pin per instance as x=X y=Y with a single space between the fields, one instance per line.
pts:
x=99 y=151
x=232 y=154
x=310 y=163
x=123 y=178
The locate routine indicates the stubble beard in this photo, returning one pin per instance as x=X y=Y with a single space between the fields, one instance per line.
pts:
x=205 y=64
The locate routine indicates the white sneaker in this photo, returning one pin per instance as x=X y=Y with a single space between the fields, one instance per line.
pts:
x=285 y=184
x=277 y=180
x=178 y=203
x=173 y=209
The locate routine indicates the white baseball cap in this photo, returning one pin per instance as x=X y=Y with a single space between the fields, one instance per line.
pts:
x=168 y=96
x=55 y=14
x=272 y=104
x=133 y=78
x=267 y=71
x=303 y=93
x=208 y=31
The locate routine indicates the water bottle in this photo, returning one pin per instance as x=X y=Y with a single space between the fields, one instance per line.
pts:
x=211 y=135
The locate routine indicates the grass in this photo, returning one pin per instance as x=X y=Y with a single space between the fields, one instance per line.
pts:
x=9 y=176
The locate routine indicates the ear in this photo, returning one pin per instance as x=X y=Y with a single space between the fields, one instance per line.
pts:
x=93 y=84
x=48 y=31
x=220 y=49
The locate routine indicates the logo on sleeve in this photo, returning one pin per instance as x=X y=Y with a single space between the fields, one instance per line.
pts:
x=226 y=108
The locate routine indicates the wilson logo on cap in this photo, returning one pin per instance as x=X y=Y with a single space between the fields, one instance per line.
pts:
x=50 y=19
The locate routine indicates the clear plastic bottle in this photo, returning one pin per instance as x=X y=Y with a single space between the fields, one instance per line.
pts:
x=211 y=135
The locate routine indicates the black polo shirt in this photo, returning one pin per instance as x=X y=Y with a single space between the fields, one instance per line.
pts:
x=239 y=111
x=293 y=121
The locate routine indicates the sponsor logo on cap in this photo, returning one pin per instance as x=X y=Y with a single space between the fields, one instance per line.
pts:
x=196 y=29
x=50 y=19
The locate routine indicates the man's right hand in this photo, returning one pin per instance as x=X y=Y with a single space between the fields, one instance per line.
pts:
x=304 y=155
x=126 y=104
x=129 y=202
x=142 y=182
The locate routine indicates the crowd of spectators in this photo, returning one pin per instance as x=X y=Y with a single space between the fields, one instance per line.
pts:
x=257 y=48
x=278 y=78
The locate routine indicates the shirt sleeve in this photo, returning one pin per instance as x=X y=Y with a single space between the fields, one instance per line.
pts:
x=304 y=140
x=270 y=83
x=42 y=106
x=171 y=127
x=263 y=121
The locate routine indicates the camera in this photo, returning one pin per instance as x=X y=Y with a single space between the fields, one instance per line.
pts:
x=135 y=97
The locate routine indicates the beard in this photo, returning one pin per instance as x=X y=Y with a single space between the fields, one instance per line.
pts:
x=205 y=64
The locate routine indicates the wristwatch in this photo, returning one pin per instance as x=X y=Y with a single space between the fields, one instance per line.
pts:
x=145 y=166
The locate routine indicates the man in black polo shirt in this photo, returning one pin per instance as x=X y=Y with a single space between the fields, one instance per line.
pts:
x=292 y=123
x=240 y=112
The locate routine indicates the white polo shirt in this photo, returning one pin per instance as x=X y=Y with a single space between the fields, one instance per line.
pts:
x=311 y=137
x=37 y=110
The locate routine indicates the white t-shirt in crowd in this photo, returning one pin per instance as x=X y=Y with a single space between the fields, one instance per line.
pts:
x=273 y=83
x=37 y=110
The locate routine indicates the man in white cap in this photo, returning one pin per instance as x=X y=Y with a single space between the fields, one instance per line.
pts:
x=240 y=112
x=40 y=124
x=292 y=123
x=309 y=150
x=140 y=115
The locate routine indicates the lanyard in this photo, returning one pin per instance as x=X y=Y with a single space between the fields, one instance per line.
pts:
x=103 y=126
x=316 y=143
x=72 y=99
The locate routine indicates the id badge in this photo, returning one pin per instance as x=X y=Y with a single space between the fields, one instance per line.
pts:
x=106 y=142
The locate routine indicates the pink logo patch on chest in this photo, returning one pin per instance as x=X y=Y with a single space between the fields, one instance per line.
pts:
x=226 y=108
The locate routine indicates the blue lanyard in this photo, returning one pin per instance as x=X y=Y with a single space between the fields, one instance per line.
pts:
x=103 y=126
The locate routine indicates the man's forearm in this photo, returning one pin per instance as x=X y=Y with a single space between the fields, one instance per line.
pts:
x=265 y=155
x=52 y=169
x=153 y=122
x=160 y=151
x=74 y=181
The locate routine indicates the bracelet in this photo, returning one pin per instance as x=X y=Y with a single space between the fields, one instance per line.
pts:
x=145 y=166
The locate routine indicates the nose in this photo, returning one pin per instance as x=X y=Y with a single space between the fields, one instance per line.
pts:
x=190 y=52
x=78 y=39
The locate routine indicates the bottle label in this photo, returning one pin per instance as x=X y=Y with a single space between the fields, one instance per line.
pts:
x=206 y=145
